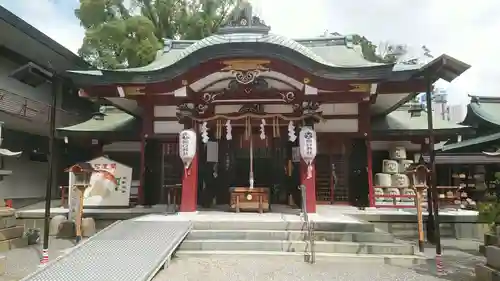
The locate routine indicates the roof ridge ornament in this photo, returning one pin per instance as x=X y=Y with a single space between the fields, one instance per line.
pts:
x=242 y=20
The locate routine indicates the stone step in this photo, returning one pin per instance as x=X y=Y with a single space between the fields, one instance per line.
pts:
x=11 y=233
x=15 y=243
x=6 y=222
x=297 y=235
x=283 y=225
x=493 y=257
x=297 y=246
x=397 y=260
x=486 y=273
x=3 y=264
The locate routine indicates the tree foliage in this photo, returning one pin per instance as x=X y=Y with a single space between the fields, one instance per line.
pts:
x=370 y=51
x=387 y=52
x=117 y=35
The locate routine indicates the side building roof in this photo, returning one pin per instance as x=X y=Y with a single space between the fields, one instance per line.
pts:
x=483 y=111
x=113 y=123
x=400 y=122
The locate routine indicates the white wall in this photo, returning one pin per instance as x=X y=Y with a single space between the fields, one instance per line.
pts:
x=28 y=179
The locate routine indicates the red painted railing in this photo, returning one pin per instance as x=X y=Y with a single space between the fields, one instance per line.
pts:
x=395 y=202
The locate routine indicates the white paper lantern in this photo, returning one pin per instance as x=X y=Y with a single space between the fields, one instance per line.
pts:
x=308 y=148
x=187 y=147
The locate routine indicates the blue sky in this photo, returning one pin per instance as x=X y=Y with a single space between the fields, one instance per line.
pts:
x=462 y=29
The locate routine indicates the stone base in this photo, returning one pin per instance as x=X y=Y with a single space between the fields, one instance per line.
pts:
x=493 y=256
x=55 y=224
x=66 y=230
x=486 y=273
x=6 y=222
x=15 y=243
x=11 y=233
x=7 y=212
x=3 y=264
x=491 y=270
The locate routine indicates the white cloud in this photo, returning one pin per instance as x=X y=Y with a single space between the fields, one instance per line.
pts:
x=463 y=29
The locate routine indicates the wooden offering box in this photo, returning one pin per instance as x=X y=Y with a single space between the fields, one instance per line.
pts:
x=244 y=198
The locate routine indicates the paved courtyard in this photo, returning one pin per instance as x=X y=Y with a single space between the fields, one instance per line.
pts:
x=237 y=268
x=23 y=261
x=460 y=258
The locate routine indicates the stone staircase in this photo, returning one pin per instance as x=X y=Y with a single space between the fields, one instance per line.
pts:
x=332 y=239
x=490 y=271
x=11 y=235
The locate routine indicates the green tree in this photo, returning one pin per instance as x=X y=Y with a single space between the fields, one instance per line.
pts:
x=118 y=36
x=369 y=50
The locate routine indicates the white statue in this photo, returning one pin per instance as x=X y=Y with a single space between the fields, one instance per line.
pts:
x=102 y=184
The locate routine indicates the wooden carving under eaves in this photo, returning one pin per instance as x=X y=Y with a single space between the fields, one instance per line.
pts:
x=251 y=108
x=133 y=91
x=245 y=65
x=306 y=107
x=359 y=88
x=245 y=71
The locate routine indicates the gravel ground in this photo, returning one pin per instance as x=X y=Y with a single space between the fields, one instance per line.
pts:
x=459 y=259
x=238 y=268
x=23 y=261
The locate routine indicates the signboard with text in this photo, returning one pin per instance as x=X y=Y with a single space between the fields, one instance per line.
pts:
x=109 y=185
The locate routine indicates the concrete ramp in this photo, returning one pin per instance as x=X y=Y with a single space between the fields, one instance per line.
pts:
x=126 y=251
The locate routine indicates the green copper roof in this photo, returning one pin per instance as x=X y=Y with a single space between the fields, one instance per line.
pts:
x=471 y=142
x=114 y=120
x=332 y=51
x=245 y=35
x=483 y=111
x=401 y=122
x=328 y=57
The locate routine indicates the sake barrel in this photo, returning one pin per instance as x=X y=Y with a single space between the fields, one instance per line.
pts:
x=397 y=153
x=408 y=191
x=378 y=192
x=393 y=191
x=400 y=180
x=390 y=166
x=404 y=165
x=382 y=179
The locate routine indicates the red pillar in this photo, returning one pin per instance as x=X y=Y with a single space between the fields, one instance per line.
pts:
x=371 y=191
x=190 y=187
x=310 y=186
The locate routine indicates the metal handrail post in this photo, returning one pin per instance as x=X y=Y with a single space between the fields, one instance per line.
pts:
x=310 y=231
